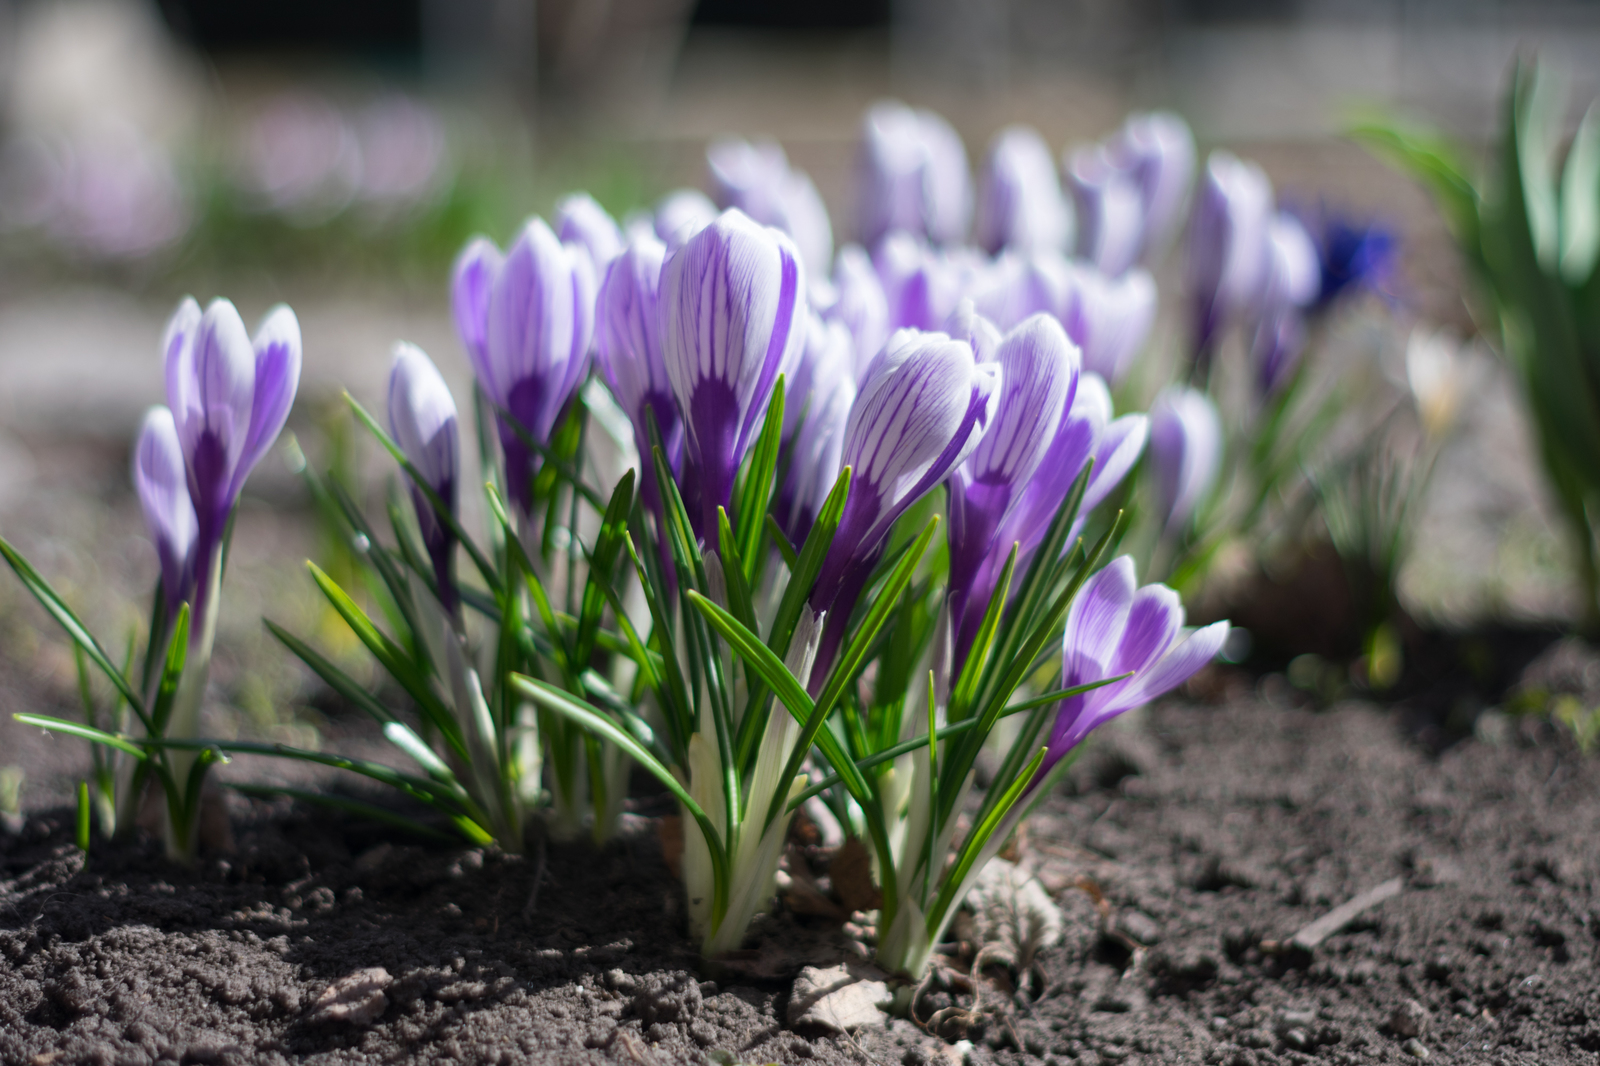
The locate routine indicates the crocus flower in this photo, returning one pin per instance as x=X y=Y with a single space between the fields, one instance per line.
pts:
x=815 y=412
x=628 y=353
x=1086 y=431
x=1109 y=318
x=1020 y=204
x=859 y=303
x=912 y=175
x=1227 y=246
x=582 y=221
x=920 y=411
x=1038 y=376
x=1110 y=210
x=1158 y=150
x=732 y=318
x=1437 y=375
x=526 y=320
x=757 y=179
x=422 y=419
x=1114 y=627
x=1186 y=448
x=682 y=214
x=1292 y=281
x=1015 y=286
x=162 y=484
x=229 y=397
x=1353 y=256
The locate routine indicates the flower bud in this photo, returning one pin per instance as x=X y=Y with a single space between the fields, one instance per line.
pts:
x=682 y=214
x=582 y=221
x=1020 y=204
x=162 y=485
x=1227 y=245
x=731 y=317
x=757 y=179
x=1110 y=211
x=1186 y=448
x=1110 y=318
x=859 y=303
x=422 y=420
x=1158 y=150
x=912 y=176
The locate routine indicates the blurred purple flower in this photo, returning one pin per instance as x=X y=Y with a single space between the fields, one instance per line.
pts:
x=1013 y=287
x=1353 y=255
x=920 y=411
x=402 y=152
x=920 y=284
x=582 y=221
x=1114 y=627
x=1110 y=318
x=1186 y=448
x=298 y=155
x=858 y=302
x=1020 y=204
x=526 y=320
x=229 y=397
x=1228 y=254
x=682 y=214
x=732 y=309
x=1293 y=279
x=1157 y=149
x=422 y=420
x=758 y=180
x=1038 y=377
x=162 y=483
x=628 y=353
x=1111 y=223
x=912 y=176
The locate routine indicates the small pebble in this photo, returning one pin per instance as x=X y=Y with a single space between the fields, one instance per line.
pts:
x=1415 y=1049
x=1410 y=1018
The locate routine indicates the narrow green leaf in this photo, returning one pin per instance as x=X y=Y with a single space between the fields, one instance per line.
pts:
x=78 y=729
x=53 y=603
x=978 y=657
x=785 y=549
x=980 y=836
x=361 y=809
x=803 y=575
x=171 y=672
x=603 y=565
x=755 y=489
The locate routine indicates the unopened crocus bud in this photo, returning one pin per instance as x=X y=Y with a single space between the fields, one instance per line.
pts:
x=1020 y=203
x=920 y=284
x=1158 y=150
x=163 y=488
x=912 y=176
x=628 y=354
x=422 y=420
x=1293 y=280
x=1110 y=318
x=732 y=317
x=1086 y=431
x=1013 y=287
x=1227 y=246
x=920 y=411
x=1038 y=376
x=682 y=214
x=580 y=220
x=815 y=412
x=758 y=180
x=1437 y=377
x=1110 y=210
x=1186 y=448
x=229 y=396
x=526 y=320
x=859 y=303
x=1113 y=628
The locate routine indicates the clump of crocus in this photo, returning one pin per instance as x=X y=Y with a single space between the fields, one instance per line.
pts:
x=228 y=396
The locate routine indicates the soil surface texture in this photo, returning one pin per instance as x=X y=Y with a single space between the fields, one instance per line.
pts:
x=1192 y=855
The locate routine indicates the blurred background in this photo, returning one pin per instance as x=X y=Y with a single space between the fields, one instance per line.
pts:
x=336 y=154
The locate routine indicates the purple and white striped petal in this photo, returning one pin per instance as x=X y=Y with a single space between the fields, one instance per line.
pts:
x=921 y=286
x=211 y=391
x=1114 y=627
x=732 y=318
x=1186 y=448
x=859 y=303
x=582 y=221
x=422 y=419
x=1020 y=203
x=471 y=281
x=161 y=480
x=277 y=380
x=823 y=393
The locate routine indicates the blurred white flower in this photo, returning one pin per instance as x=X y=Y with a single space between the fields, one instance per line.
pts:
x=1437 y=374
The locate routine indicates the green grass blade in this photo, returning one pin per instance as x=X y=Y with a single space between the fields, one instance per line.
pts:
x=755 y=489
x=89 y=733
x=171 y=673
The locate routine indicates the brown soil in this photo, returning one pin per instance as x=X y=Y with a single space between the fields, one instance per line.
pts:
x=1215 y=833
